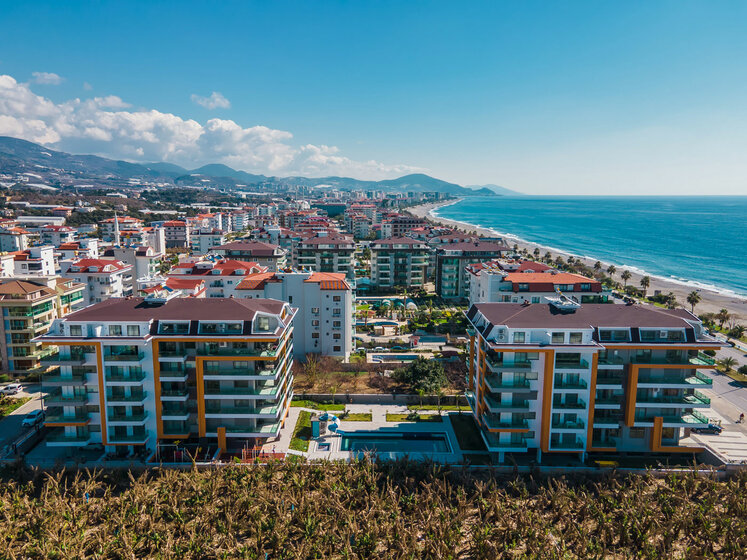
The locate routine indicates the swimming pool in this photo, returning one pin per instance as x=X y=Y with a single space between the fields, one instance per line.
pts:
x=397 y=442
x=393 y=358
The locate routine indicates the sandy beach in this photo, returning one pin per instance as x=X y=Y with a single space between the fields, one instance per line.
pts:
x=710 y=301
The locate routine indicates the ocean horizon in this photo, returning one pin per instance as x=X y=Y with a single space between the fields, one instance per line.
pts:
x=697 y=241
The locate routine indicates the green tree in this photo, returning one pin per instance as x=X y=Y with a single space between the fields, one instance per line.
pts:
x=737 y=331
x=645 y=283
x=626 y=275
x=598 y=266
x=536 y=253
x=611 y=269
x=722 y=316
x=693 y=298
x=428 y=375
x=728 y=363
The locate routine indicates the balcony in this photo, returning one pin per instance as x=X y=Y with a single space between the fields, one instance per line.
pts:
x=56 y=359
x=247 y=352
x=699 y=360
x=578 y=405
x=494 y=423
x=608 y=402
x=242 y=411
x=511 y=406
x=569 y=425
x=607 y=421
x=132 y=378
x=173 y=375
x=263 y=430
x=576 y=364
x=58 y=438
x=71 y=400
x=125 y=357
x=576 y=384
x=567 y=445
x=125 y=399
x=610 y=362
x=495 y=444
x=244 y=392
x=180 y=413
x=695 y=399
x=175 y=394
x=609 y=381
x=676 y=380
x=126 y=419
x=61 y=418
x=694 y=418
x=496 y=384
x=500 y=365
x=58 y=380
x=135 y=439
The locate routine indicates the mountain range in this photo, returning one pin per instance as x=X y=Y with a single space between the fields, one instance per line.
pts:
x=59 y=169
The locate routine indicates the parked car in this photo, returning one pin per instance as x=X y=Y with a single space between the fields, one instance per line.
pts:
x=33 y=418
x=709 y=429
x=379 y=349
x=11 y=389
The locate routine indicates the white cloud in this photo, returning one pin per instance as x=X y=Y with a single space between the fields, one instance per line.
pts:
x=215 y=101
x=108 y=126
x=47 y=78
x=87 y=86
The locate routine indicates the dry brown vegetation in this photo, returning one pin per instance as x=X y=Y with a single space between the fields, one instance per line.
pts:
x=364 y=510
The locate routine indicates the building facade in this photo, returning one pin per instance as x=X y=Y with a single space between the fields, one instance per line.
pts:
x=328 y=253
x=132 y=373
x=452 y=281
x=102 y=278
x=397 y=262
x=564 y=378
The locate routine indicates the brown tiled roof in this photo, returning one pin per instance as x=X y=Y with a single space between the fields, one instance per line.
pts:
x=178 y=309
x=257 y=281
x=21 y=287
x=329 y=280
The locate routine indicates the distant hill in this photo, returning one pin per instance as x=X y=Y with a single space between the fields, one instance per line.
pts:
x=20 y=156
x=494 y=189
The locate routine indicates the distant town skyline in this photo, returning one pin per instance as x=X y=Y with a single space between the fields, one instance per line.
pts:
x=582 y=98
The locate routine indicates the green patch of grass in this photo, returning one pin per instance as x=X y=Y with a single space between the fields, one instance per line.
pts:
x=413 y=418
x=736 y=376
x=467 y=432
x=302 y=432
x=445 y=408
x=316 y=406
x=358 y=417
x=9 y=404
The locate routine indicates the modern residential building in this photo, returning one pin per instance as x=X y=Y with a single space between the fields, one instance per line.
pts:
x=57 y=235
x=204 y=240
x=14 y=239
x=563 y=377
x=328 y=253
x=35 y=261
x=28 y=309
x=176 y=233
x=266 y=254
x=135 y=373
x=144 y=260
x=122 y=223
x=397 y=262
x=324 y=322
x=402 y=224
x=104 y=279
x=86 y=248
x=491 y=283
x=221 y=276
x=452 y=258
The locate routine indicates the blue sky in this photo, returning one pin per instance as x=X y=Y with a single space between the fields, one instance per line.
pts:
x=543 y=97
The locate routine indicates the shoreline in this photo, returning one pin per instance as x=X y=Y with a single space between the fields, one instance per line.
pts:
x=711 y=300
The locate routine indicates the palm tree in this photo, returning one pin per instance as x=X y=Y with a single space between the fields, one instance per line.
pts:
x=693 y=298
x=728 y=363
x=671 y=300
x=597 y=266
x=722 y=316
x=548 y=256
x=536 y=253
x=611 y=269
x=625 y=277
x=645 y=283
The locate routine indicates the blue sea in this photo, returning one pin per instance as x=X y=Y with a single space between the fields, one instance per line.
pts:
x=696 y=241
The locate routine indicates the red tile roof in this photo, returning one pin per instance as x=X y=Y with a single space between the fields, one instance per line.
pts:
x=257 y=281
x=329 y=280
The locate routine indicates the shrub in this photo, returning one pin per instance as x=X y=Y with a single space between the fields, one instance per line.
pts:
x=742 y=370
x=422 y=375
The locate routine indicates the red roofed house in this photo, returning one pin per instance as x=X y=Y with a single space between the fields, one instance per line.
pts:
x=324 y=322
x=104 y=279
x=266 y=254
x=221 y=276
x=519 y=282
x=176 y=233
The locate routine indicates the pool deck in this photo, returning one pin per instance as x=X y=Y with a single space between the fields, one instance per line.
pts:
x=378 y=423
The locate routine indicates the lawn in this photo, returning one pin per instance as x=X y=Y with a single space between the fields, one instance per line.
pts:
x=9 y=404
x=736 y=376
x=317 y=406
x=302 y=430
x=467 y=432
x=358 y=417
x=413 y=418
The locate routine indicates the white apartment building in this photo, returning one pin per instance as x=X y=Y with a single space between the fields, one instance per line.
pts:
x=14 y=239
x=57 y=235
x=144 y=261
x=221 y=276
x=109 y=226
x=567 y=378
x=85 y=248
x=135 y=374
x=35 y=261
x=176 y=233
x=104 y=279
x=324 y=323
x=202 y=241
x=266 y=254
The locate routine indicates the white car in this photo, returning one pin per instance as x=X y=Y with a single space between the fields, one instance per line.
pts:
x=33 y=418
x=11 y=389
x=379 y=349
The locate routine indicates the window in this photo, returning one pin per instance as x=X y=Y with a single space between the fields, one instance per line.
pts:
x=263 y=323
x=585 y=287
x=336 y=312
x=648 y=336
x=336 y=324
x=315 y=322
x=558 y=338
x=336 y=298
x=335 y=348
x=337 y=336
x=535 y=299
x=115 y=330
x=174 y=328
x=315 y=335
x=290 y=299
x=76 y=330
x=315 y=310
x=637 y=433
x=576 y=338
x=519 y=337
x=133 y=330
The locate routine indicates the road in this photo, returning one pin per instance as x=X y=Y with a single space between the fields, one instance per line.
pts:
x=10 y=426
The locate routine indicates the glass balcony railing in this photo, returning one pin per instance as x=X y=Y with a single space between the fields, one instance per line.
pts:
x=570 y=384
x=578 y=364
x=571 y=445
x=677 y=379
x=569 y=424
x=569 y=405
x=124 y=357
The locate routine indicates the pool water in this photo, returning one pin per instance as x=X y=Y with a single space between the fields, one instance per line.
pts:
x=396 y=442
